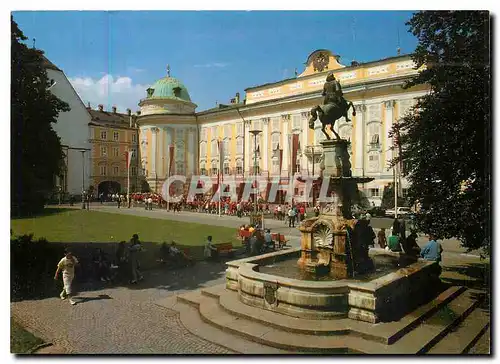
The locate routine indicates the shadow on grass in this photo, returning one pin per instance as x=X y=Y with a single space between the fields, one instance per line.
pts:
x=45 y=212
x=156 y=275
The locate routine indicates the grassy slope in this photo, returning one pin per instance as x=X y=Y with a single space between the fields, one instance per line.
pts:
x=93 y=226
x=21 y=341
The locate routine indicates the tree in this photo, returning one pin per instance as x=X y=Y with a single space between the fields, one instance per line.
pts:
x=388 y=198
x=445 y=141
x=36 y=153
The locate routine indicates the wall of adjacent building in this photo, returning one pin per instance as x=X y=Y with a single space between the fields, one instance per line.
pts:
x=72 y=127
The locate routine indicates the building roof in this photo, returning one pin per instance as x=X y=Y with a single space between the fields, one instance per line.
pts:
x=169 y=88
x=358 y=64
x=48 y=64
x=112 y=119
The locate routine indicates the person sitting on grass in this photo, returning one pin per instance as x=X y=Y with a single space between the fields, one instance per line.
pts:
x=164 y=253
x=210 y=251
x=102 y=265
x=178 y=256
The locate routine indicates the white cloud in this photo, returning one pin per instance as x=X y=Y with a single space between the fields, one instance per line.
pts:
x=211 y=65
x=110 y=91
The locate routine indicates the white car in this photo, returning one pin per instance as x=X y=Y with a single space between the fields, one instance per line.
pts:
x=402 y=211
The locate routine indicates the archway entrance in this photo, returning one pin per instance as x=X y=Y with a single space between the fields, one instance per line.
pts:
x=108 y=188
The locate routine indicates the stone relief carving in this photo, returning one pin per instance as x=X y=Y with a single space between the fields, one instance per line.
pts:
x=322 y=234
x=270 y=292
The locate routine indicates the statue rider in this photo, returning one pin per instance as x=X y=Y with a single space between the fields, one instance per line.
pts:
x=332 y=91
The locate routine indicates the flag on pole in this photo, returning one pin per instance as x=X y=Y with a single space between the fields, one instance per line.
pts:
x=295 y=148
x=128 y=155
x=171 y=162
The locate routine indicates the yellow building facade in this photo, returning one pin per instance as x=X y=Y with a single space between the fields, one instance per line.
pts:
x=279 y=110
x=112 y=134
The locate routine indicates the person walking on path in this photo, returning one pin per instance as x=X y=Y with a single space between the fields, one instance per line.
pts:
x=67 y=266
x=291 y=217
x=432 y=251
x=134 y=249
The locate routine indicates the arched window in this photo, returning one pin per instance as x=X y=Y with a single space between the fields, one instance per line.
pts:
x=239 y=166
x=374 y=134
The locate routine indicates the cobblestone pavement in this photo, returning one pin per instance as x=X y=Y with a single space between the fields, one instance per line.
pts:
x=121 y=320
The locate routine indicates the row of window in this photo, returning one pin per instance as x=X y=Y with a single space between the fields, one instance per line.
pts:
x=256 y=125
x=116 y=152
x=375 y=192
x=115 y=170
x=116 y=136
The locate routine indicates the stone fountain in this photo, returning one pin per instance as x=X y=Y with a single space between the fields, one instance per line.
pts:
x=328 y=243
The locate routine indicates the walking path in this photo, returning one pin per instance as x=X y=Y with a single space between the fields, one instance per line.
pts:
x=126 y=320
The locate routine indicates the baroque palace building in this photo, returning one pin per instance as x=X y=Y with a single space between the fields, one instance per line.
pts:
x=287 y=146
x=112 y=134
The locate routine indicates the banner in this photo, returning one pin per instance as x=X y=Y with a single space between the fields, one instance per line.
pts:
x=171 y=156
x=295 y=148
x=128 y=156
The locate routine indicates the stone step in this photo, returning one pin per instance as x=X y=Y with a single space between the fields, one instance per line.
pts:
x=483 y=344
x=211 y=312
x=434 y=328
x=191 y=320
x=192 y=298
x=386 y=333
x=464 y=335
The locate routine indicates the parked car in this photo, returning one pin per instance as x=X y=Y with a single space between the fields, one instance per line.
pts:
x=377 y=211
x=402 y=211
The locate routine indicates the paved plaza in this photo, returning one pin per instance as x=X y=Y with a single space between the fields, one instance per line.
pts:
x=125 y=319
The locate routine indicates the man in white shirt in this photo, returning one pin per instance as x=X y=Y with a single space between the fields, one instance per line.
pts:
x=291 y=217
x=67 y=266
x=150 y=203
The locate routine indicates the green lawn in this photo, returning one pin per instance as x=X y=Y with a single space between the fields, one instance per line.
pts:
x=92 y=226
x=21 y=341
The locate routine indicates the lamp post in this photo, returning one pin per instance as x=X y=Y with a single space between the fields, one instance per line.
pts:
x=255 y=133
x=83 y=178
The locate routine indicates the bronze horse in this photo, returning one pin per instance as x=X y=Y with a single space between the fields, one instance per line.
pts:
x=330 y=113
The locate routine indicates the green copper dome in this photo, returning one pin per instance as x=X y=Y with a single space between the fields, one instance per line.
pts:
x=168 y=88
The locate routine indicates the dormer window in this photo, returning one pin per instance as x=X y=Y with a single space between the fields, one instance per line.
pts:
x=177 y=91
x=150 y=91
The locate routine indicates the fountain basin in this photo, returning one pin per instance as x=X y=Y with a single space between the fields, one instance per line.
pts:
x=371 y=298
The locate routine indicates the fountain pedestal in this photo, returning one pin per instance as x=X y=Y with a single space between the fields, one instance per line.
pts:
x=326 y=245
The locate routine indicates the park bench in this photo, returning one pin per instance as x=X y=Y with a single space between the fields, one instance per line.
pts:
x=225 y=249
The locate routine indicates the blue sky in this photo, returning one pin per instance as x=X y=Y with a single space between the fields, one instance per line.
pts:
x=111 y=57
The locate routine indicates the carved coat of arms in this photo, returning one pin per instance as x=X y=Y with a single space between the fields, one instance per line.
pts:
x=320 y=62
x=270 y=292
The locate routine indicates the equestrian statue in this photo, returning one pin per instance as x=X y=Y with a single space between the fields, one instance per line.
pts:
x=334 y=106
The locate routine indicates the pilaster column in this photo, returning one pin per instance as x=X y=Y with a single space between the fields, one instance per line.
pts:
x=161 y=153
x=389 y=108
x=265 y=149
x=193 y=150
x=154 y=132
x=168 y=142
x=248 y=157
x=359 y=163
x=303 y=142
x=285 y=119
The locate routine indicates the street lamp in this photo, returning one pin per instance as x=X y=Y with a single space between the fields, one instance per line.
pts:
x=255 y=133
